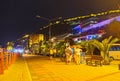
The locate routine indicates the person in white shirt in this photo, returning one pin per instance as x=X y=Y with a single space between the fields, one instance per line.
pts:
x=77 y=54
x=68 y=53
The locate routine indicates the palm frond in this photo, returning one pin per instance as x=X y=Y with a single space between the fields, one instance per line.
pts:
x=109 y=39
x=112 y=42
x=106 y=41
x=98 y=44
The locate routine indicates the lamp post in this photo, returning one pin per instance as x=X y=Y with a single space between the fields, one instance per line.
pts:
x=50 y=22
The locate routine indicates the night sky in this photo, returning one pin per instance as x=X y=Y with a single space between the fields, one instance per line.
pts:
x=18 y=17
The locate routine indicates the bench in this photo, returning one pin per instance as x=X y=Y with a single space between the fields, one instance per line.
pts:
x=94 y=60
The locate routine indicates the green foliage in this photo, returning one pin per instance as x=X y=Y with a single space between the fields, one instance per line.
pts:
x=104 y=46
x=88 y=46
x=70 y=40
x=60 y=47
x=45 y=47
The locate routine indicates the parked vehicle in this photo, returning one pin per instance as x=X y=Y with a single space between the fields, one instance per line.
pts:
x=114 y=51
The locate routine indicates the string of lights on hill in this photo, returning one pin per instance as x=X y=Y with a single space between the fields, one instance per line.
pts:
x=81 y=17
x=93 y=15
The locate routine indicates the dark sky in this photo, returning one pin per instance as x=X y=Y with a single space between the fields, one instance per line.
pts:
x=17 y=17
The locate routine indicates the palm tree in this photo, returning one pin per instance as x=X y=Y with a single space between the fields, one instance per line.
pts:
x=88 y=46
x=45 y=47
x=104 y=47
x=60 y=47
x=10 y=46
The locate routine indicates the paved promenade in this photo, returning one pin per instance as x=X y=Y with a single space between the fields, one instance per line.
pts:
x=40 y=68
x=43 y=69
x=17 y=71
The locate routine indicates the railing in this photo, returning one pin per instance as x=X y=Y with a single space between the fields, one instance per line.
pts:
x=6 y=59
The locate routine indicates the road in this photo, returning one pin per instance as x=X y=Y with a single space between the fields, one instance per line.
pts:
x=43 y=69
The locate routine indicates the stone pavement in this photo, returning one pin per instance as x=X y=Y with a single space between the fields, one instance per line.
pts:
x=40 y=68
x=17 y=71
x=43 y=69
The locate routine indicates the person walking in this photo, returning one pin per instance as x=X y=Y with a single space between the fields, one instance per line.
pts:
x=82 y=56
x=54 y=52
x=68 y=53
x=51 y=53
x=77 y=54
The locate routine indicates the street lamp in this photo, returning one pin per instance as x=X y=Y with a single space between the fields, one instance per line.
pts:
x=50 y=22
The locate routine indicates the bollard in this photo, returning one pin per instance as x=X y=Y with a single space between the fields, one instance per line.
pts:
x=1 y=67
x=1 y=62
x=119 y=66
x=6 y=60
x=15 y=57
x=12 y=57
x=9 y=59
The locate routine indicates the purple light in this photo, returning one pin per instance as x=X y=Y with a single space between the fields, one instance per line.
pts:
x=100 y=24
x=118 y=18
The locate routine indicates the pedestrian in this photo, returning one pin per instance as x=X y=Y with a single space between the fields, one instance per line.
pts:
x=54 y=52
x=51 y=53
x=78 y=51
x=82 y=56
x=73 y=51
x=68 y=53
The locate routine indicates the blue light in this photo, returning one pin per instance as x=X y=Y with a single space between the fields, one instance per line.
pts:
x=89 y=37
x=15 y=50
x=77 y=29
x=18 y=50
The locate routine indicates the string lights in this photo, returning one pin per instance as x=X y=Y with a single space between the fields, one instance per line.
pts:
x=93 y=15
x=82 y=17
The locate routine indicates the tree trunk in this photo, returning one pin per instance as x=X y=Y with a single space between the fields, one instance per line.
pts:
x=102 y=54
x=105 y=58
